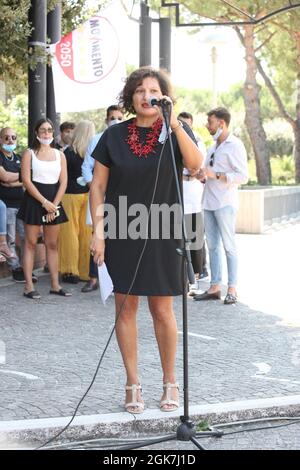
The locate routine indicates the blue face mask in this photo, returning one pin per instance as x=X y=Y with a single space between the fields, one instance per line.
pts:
x=9 y=147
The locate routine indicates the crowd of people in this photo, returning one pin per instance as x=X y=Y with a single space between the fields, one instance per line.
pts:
x=61 y=189
x=44 y=193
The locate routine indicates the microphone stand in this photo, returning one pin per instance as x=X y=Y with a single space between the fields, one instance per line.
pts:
x=186 y=430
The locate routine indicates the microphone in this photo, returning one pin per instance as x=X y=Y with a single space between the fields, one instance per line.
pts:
x=155 y=102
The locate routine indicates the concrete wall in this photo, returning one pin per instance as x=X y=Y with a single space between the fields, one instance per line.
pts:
x=261 y=207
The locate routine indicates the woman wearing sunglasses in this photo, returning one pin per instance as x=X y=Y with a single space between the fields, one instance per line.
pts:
x=11 y=195
x=44 y=175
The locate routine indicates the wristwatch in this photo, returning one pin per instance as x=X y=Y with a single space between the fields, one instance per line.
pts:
x=218 y=175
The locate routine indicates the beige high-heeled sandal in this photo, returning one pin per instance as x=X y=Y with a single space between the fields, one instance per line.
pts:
x=172 y=404
x=138 y=406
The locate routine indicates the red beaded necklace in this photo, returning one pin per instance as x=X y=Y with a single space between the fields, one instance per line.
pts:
x=151 y=140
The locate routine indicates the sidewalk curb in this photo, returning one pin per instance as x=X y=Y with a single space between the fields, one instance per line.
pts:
x=38 y=431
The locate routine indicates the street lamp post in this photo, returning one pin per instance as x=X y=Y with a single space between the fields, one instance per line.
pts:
x=165 y=43
x=145 y=35
x=54 y=35
x=214 y=39
x=37 y=77
x=214 y=57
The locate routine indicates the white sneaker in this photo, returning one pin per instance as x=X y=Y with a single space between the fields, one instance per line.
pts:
x=194 y=288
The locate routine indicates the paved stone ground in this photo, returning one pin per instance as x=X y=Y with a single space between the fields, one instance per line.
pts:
x=244 y=438
x=49 y=349
x=279 y=435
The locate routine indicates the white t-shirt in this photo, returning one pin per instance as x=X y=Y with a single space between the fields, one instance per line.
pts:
x=192 y=196
x=193 y=189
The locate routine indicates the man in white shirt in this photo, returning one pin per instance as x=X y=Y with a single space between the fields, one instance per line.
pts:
x=224 y=170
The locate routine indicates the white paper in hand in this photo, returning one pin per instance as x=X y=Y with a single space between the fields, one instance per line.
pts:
x=106 y=285
x=88 y=217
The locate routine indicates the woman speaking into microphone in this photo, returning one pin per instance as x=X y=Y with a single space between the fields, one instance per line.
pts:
x=133 y=163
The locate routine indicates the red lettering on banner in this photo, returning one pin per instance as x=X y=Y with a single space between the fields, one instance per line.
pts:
x=64 y=55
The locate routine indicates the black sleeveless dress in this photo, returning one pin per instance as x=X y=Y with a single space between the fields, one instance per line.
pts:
x=128 y=198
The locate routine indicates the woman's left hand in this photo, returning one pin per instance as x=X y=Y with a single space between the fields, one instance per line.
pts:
x=97 y=248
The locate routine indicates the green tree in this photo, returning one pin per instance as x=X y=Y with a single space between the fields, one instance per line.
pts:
x=248 y=34
x=193 y=101
x=15 y=30
x=14 y=115
x=285 y=67
x=273 y=50
x=97 y=116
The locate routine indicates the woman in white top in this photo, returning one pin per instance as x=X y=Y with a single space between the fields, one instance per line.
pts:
x=44 y=175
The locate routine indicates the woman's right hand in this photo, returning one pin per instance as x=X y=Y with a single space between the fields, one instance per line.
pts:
x=50 y=217
x=49 y=206
x=97 y=248
x=201 y=175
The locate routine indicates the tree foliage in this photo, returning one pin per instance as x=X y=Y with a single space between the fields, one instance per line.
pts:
x=226 y=11
x=264 y=52
x=275 y=39
x=14 y=115
x=14 y=31
x=281 y=67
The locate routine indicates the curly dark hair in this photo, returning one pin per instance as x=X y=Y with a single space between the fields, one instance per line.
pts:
x=136 y=78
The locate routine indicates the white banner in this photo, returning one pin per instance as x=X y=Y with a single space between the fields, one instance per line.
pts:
x=88 y=64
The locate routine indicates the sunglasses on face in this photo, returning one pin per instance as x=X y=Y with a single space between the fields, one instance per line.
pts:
x=46 y=130
x=212 y=159
x=8 y=137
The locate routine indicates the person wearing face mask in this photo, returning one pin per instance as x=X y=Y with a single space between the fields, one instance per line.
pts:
x=11 y=193
x=75 y=236
x=44 y=175
x=66 y=134
x=224 y=170
x=114 y=115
